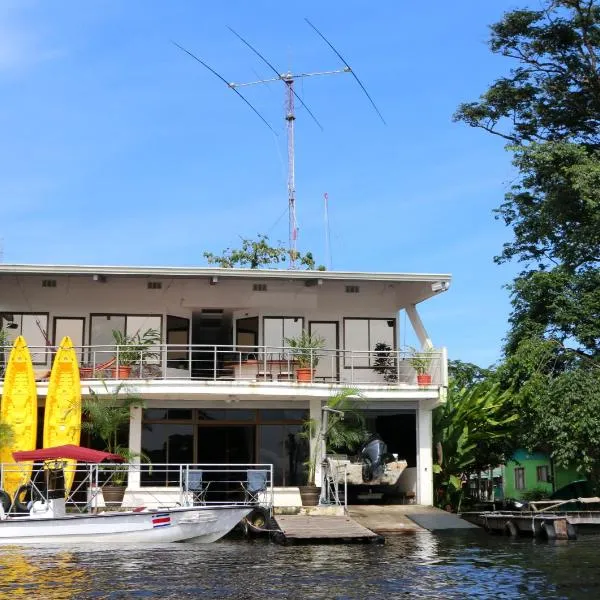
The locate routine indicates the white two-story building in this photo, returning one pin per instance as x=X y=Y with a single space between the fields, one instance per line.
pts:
x=221 y=386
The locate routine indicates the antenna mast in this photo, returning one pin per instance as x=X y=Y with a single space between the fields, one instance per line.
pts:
x=290 y=116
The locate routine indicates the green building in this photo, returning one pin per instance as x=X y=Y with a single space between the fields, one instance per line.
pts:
x=529 y=471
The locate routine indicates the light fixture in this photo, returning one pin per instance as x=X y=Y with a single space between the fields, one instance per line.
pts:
x=99 y=278
x=214 y=280
x=313 y=282
x=439 y=286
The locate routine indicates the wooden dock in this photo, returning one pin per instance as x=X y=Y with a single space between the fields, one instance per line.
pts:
x=321 y=529
x=551 y=525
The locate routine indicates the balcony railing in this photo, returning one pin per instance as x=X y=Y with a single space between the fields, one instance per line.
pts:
x=261 y=364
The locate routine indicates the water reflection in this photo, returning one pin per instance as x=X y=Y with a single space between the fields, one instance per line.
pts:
x=417 y=566
x=55 y=576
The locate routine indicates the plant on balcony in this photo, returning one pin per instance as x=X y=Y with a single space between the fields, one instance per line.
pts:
x=304 y=348
x=135 y=350
x=420 y=361
x=385 y=362
x=105 y=415
x=4 y=343
x=344 y=432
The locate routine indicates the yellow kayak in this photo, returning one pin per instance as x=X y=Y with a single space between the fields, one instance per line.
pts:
x=62 y=415
x=19 y=411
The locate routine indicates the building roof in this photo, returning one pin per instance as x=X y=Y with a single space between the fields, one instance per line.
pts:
x=287 y=274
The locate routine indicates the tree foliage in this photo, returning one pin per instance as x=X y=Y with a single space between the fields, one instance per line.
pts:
x=464 y=374
x=471 y=432
x=259 y=253
x=548 y=109
x=553 y=92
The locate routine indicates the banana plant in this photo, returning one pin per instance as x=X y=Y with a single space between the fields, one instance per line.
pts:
x=470 y=431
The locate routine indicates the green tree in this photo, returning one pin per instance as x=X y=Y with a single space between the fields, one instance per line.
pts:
x=472 y=431
x=553 y=92
x=548 y=109
x=465 y=374
x=259 y=253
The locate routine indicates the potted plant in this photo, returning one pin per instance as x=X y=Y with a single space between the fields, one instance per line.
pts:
x=105 y=416
x=345 y=431
x=385 y=362
x=420 y=361
x=134 y=350
x=304 y=349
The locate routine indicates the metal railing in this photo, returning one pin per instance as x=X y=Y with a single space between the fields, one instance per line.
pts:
x=149 y=485
x=263 y=364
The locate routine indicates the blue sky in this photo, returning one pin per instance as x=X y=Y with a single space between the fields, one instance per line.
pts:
x=117 y=148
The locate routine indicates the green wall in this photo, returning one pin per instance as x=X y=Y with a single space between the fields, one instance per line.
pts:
x=530 y=462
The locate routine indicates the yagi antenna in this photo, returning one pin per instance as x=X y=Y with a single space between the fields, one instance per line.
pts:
x=289 y=79
x=350 y=70
x=279 y=75
x=227 y=83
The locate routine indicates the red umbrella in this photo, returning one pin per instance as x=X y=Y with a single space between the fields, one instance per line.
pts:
x=68 y=452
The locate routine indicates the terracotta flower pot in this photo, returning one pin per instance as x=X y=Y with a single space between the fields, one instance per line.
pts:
x=122 y=372
x=304 y=375
x=424 y=379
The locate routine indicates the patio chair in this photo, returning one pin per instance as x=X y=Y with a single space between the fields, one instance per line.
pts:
x=255 y=484
x=196 y=486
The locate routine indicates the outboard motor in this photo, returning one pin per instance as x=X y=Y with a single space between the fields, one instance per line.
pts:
x=374 y=456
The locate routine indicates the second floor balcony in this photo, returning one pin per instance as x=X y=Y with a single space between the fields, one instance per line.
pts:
x=264 y=365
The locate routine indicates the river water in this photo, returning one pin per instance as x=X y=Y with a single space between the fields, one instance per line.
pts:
x=467 y=565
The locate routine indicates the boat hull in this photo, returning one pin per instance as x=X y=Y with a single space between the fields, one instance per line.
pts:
x=202 y=524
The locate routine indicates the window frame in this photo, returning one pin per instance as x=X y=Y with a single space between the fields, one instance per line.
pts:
x=520 y=474
x=371 y=356
x=545 y=470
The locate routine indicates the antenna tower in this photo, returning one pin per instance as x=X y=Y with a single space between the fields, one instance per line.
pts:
x=291 y=96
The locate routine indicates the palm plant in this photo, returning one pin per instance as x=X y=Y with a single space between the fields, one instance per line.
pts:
x=344 y=431
x=305 y=348
x=105 y=416
x=134 y=349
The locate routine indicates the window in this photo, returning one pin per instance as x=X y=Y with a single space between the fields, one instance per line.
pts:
x=543 y=473
x=277 y=329
x=362 y=335
x=102 y=326
x=519 y=478
x=34 y=328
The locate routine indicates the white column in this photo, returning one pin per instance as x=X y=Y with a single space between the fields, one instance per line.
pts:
x=419 y=328
x=424 y=457
x=315 y=415
x=135 y=443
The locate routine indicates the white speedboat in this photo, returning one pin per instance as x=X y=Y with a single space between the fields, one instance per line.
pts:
x=46 y=525
x=48 y=522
